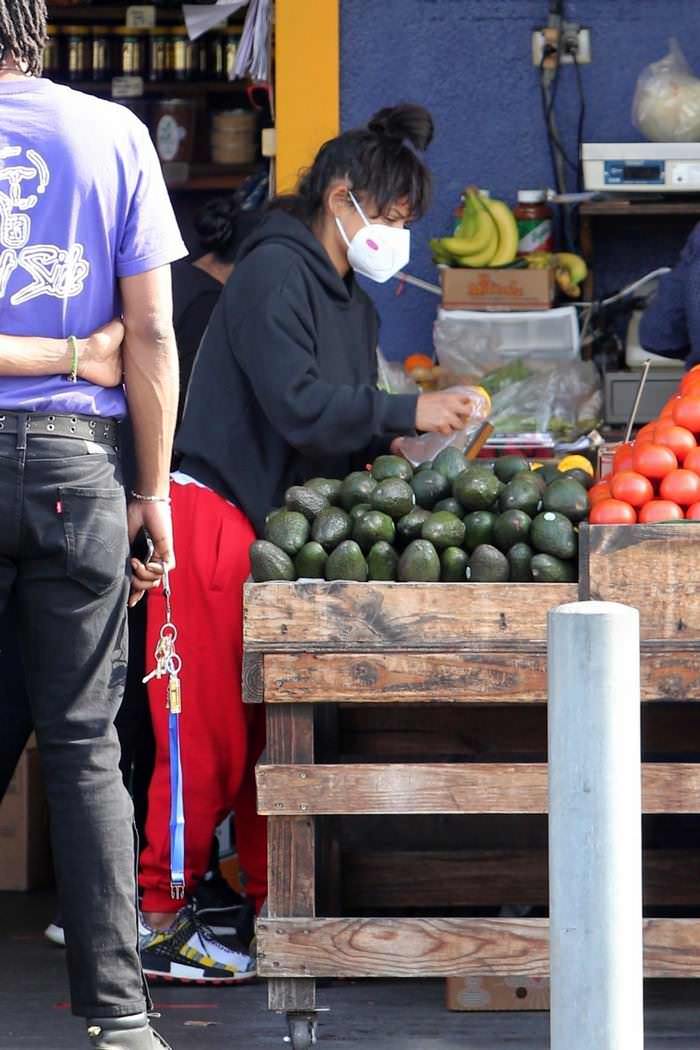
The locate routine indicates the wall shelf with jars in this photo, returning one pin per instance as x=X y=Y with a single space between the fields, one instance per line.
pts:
x=204 y=123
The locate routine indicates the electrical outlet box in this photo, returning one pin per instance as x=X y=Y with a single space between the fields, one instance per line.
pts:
x=573 y=36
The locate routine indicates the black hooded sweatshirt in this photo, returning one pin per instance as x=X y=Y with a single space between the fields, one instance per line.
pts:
x=284 y=385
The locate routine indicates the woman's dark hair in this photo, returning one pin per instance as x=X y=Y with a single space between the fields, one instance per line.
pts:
x=23 y=33
x=222 y=226
x=379 y=161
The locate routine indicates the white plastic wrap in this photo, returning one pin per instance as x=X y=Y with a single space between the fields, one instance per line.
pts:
x=666 y=105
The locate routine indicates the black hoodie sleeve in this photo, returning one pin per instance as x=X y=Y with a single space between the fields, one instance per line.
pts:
x=273 y=342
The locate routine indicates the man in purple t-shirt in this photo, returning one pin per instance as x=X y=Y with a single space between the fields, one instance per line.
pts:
x=87 y=233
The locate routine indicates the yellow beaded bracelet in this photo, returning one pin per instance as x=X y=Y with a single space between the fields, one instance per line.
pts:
x=73 y=347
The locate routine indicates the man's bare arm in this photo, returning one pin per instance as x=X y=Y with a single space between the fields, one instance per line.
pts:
x=99 y=356
x=151 y=377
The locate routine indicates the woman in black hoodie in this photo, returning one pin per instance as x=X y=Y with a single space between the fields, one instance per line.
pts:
x=284 y=388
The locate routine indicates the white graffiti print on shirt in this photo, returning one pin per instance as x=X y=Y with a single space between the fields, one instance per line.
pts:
x=53 y=271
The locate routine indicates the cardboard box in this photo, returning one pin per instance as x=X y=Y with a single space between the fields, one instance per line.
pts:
x=497 y=993
x=465 y=289
x=25 y=852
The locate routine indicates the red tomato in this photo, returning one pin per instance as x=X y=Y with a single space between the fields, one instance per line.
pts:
x=690 y=383
x=667 y=410
x=623 y=458
x=693 y=512
x=654 y=461
x=686 y=413
x=599 y=491
x=612 y=512
x=678 y=439
x=632 y=488
x=692 y=461
x=681 y=486
x=660 y=510
x=645 y=433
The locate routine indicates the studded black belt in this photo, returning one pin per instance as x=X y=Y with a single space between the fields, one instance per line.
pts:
x=104 y=431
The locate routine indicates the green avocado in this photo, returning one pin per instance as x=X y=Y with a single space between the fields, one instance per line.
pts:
x=450 y=504
x=347 y=562
x=382 y=562
x=546 y=568
x=419 y=563
x=372 y=527
x=533 y=477
x=268 y=562
x=359 y=511
x=511 y=527
x=520 y=558
x=305 y=500
x=429 y=486
x=391 y=467
x=521 y=494
x=488 y=565
x=552 y=533
x=478 y=528
x=410 y=526
x=357 y=488
x=310 y=562
x=328 y=487
x=443 y=529
x=288 y=530
x=454 y=562
x=331 y=527
x=476 y=488
x=393 y=497
x=450 y=463
x=506 y=467
x=568 y=497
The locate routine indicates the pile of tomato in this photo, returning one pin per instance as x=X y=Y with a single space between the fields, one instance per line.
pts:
x=657 y=476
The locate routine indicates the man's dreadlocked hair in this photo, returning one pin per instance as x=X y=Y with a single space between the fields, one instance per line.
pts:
x=23 y=33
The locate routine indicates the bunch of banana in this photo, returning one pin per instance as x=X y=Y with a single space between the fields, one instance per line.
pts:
x=570 y=270
x=487 y=235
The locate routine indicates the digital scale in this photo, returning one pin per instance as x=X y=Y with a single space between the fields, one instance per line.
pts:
x=641 y=167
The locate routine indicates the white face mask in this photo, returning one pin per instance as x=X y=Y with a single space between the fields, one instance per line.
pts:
x=377 y=251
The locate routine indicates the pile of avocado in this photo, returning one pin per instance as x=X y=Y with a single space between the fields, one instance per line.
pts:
x=451 y=520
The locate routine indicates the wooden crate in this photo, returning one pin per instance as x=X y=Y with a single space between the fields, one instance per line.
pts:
x=311 y=646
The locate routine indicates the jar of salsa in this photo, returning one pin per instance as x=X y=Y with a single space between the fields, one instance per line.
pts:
x=534 y=218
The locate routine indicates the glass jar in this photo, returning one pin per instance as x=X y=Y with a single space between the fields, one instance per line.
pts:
x=534 y=218
x=159 y=54
x=101 y=53
x=52 y=52
x=232 y=38
x=184 y=55
x=78 y=48
x=131 y=52
x=211 y=57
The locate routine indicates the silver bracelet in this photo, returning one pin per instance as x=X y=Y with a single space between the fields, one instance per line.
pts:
x=150 y=499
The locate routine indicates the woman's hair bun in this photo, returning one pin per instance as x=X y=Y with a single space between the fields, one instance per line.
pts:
x=407 y=122
x=215 y=223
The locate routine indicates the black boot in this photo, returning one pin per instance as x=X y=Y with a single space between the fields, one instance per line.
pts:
x=124 y=1033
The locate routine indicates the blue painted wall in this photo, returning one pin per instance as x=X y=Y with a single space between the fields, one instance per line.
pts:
x=469 y=62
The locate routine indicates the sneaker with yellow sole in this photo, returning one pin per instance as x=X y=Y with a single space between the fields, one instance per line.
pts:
x=189 y=953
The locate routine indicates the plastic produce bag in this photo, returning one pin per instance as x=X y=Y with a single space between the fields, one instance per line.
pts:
x=666 y=105
x=391 y=377
x=426 y=447
x=563 y=401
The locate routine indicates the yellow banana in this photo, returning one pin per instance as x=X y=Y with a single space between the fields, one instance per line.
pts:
x=573 y=264
x=477 y=227
x=482 y=258
x=507 y=231
x=539 y=260
x=568 y=287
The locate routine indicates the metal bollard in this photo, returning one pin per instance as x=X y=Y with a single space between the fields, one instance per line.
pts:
x=595 y=828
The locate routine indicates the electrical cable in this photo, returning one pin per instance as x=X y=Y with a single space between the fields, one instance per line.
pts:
x=581 y=119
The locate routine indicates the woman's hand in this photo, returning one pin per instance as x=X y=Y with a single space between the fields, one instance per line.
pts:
x=100 y=355
x=442 y=412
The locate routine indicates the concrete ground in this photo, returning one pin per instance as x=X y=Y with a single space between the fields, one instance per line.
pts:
x=383 y=1015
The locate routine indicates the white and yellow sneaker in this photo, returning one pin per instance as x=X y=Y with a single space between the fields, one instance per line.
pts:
x=188 y=952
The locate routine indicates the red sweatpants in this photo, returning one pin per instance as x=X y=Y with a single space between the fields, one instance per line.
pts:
x=220 y=737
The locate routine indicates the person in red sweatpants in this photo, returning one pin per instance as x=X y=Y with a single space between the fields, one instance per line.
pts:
x=221 y=737
x=283 y=390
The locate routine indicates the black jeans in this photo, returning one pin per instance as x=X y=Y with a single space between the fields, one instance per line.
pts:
x=63 y=559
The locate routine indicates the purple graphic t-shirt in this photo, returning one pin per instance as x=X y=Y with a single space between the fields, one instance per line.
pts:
x=82 y=203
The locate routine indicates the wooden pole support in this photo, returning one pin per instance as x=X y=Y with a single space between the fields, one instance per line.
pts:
x=595 y=846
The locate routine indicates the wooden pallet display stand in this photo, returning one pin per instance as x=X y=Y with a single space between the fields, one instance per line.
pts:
x=316 y=643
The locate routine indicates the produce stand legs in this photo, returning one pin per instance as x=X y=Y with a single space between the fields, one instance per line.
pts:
x=292 y=867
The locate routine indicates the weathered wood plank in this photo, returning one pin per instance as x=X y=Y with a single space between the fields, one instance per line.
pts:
x=253 y=689
x=402 y=947
x=654 y=568
x=459 y=788
x=472 y=676
x=447 y=947
x=339 y=615
x=378 y=880
x=291 y=844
